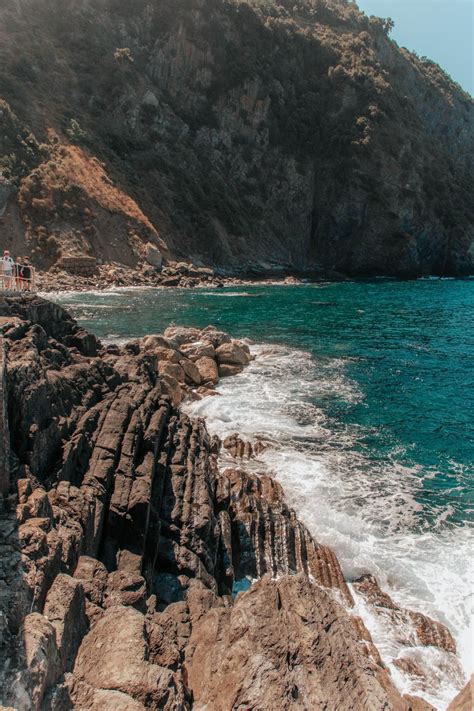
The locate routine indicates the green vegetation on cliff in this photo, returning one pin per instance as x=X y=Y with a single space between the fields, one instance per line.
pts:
x=243 y=134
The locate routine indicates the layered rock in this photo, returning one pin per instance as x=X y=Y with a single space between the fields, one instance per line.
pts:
x=122 y=541
x=256 y=137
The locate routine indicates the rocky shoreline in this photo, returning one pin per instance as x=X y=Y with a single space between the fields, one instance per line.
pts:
x=124 y=542
x=174 y=274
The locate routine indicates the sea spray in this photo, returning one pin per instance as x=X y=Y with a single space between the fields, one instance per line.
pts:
x=366 y=394
x=367 y=513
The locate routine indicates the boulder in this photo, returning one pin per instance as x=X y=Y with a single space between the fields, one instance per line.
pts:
x=172 y=388
x=166 y=367
x=153 y=254
x=217 y=338
x=198 y=349
x=232 y=354
x=208 y=371
x=157 y=341
x=191 y=371
x=182 y=335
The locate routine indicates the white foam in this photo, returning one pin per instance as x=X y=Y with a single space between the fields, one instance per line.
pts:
x=367 y=513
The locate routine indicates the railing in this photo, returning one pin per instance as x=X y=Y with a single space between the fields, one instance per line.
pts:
x=14 y=279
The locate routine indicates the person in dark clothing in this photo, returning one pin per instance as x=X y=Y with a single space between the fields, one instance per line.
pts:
x=25 y=275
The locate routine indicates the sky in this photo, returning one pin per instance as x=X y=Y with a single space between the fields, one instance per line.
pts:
x=442 y=30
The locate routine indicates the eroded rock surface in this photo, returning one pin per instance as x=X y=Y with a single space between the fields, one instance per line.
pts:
x=122 y=541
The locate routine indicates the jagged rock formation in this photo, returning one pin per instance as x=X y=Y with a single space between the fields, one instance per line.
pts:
x=121 y=541
x=252 y=136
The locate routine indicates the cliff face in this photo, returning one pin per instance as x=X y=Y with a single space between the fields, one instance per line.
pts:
x=250 y=136
x=122 y=540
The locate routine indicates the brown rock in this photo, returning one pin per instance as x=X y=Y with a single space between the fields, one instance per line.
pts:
x=226 y=371
x=237 y=447
x=197 y=350
x=113 y=657
x=191 y=371
x=267 y=536
x=284 y=644
x=181 y=335
x=207 y=370
x=409 y=666
x=125 y=588
x=427 y=632
x=172 y=389
x=174 y=370
x=232 y=354
x=42 y=656
x=212 y=335
x=204 y=391
x=168 y=354
x=65 y=609
x=93 y=576
x=156 y=342
x=464 y=701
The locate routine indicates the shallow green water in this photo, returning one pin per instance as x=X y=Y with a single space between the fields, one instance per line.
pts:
x=408 y=347
x=366 y=392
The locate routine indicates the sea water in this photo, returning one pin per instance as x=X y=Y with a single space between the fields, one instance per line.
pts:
x=365 y=391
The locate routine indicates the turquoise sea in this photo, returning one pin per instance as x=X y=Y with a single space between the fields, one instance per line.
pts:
x=366 y=392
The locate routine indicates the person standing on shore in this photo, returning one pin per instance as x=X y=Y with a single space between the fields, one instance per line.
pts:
x=26 y=274
x=7 y=269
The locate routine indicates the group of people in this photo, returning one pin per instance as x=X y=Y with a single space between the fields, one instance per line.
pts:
x=15 y=275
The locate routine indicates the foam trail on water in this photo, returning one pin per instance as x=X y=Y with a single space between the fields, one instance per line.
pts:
x=366 y=511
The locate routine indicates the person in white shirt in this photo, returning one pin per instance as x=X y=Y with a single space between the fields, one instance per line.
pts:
x=7 y=269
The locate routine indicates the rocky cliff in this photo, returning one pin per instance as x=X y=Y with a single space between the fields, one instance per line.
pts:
x=251 y=136
x=122 y=542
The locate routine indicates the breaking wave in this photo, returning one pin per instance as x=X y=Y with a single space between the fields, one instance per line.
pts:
x=366 y=509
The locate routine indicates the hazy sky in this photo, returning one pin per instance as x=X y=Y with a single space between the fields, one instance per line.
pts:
x=442 y=30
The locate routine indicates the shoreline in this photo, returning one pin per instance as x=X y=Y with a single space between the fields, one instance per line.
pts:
x=117 y=276
x=178 y=363
x=384 y=632
x=111 y=277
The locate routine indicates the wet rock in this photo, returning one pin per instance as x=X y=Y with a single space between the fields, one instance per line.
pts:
x=464 y=701
x=422 y=629
x=226 y=370
x=267 y=537
x=240 y=448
